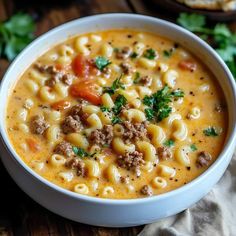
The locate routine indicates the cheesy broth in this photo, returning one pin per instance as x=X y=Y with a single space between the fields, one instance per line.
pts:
x=117 y=114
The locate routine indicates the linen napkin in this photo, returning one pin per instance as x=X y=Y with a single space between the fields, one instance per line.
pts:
x=214 y=215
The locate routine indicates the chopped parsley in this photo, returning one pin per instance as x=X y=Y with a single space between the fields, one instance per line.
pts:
x=167 y=53
x=115 y=85
x=169 y=143
x=118 y=104
x=149 y=113
x=134 y=55
x=80 y=152
x=211 y=131
x=136 y=78
x=104 y=109
x=150 y=54
x=101 y=62
x=159 y=103
x=116 y=120
x=193 y=147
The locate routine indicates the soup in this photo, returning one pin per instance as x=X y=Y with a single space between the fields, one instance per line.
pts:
x=117 y=114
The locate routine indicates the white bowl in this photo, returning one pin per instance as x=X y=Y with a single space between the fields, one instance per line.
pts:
x=106 y=212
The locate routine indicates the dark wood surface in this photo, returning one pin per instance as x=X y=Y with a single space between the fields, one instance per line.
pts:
x=20 y=215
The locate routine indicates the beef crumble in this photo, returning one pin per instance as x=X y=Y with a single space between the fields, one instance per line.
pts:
x=102 y=136
x=164 y=153
x=38 y=125
x=126 y=68
x=203 y=159
x=131 y=161
x=55 y=75
x=134 y=131
x=76 y=164
x=146 y=190
x=124 y=53
x=64 y=148
x=146 y=80
x=71 y=125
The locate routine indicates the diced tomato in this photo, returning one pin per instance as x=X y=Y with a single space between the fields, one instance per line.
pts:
x=60 y=105
x=33 y=145
x=86 y=89
x=81 y=66
x=188 y=65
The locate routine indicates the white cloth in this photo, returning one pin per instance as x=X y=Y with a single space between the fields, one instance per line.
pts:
x=214 y=215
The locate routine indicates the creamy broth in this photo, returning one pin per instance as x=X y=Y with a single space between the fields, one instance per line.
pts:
x=118 y=114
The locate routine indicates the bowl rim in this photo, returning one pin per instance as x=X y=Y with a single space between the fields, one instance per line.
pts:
x=112 y=16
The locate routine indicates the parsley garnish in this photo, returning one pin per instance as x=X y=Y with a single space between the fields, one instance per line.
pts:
x=118 y=104
x=115 y=85
x=149 y=113
x=159 y=103
x=134 y=55
x=104 y=109
x=116 y=120
x=210 y=131
x=101 y=62
x=16 y=34
x=222 y=39
x=169 y=143
x=193 y=147
x=80 y=152
x=150 y=54
x=136 y=78
x=167 y=53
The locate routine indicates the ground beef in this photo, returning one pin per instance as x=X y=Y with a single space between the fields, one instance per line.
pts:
x=75 y=110
x=64 y=148
x=164 y=153
x=56 y=75
x=124 y=53
x=38 y=125
x=146 y=190
x=71 y=125
x=146 y=80
x=46 y=68
x=134 y=131
x=126 y=68
x=76 y=164
x=102 y=136
x=67 y=79
x=124 y=179
x=203 y=159
x=131 y=160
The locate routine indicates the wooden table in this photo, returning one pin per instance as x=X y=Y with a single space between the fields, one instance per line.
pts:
x=19 y=215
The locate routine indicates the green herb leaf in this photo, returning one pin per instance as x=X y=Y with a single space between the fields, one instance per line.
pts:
x=192 y=22
x=20 y=24
x=150 y=54
x=210 y=131
x=149 y=113
x=116 y=120
x=115 y=85
x=16 y=34
x=118 y=104
x=80 y=152
x=134 y=55
x=167 y=53
x=159 y=102
x=105 y=109
x=101 y=62
x=193 y=147
x=169 y=143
